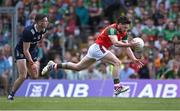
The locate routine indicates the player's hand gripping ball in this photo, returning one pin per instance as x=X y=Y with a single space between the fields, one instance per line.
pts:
x=140 y=44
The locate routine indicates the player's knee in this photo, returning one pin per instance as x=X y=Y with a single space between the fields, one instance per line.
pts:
x=22 y=77
x=117 y=63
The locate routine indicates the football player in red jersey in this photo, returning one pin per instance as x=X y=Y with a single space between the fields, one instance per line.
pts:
x=114 y=34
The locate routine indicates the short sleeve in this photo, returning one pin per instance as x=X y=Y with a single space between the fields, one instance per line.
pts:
x=112 y=31
x=27 y=36
x=125 y=38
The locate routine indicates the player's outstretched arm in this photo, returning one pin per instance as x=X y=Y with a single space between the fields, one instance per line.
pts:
x=131 y=55
x=117 y=43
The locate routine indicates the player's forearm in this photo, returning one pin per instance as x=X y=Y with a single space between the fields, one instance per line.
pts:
x=28 y=56
x=122 y=44
x=130 y=54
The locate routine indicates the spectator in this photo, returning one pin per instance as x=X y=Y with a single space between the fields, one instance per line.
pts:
x=82 y=13
x=137 y=28
x=173 y=73
x=4 y=70
x=73 y=75
x=150 y=30
x=95 y=13
x=144 y=72
x=169 y=32
x=176 y=44
x=166 y=55
x=103 y=71
x=90 y=74
x=111 y=8
x=126 y=72
x=72 y=36
x=173 y=13
x=162 y=69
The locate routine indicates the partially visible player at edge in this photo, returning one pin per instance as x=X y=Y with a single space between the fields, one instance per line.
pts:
x=114 y=34
x=26 y=53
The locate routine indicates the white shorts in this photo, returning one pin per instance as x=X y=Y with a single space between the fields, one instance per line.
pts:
x=96 y=51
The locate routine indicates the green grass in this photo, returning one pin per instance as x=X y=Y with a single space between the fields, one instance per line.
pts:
x=21 y=103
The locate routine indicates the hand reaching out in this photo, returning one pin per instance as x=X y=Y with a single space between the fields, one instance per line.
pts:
x=34 y=67
x=139 y=63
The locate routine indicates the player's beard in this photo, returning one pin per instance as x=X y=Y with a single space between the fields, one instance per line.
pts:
x=42 y=26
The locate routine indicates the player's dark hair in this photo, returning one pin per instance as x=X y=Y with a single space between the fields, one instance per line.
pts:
x=40 y=17
x=123 y=20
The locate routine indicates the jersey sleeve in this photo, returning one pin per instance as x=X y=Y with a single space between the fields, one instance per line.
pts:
x=27 y=36
x=125 y=38
x=112 y=31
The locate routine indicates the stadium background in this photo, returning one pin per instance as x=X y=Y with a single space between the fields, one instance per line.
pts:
x=75 y=24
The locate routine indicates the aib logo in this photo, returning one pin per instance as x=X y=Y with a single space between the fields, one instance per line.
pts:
x=37 y=89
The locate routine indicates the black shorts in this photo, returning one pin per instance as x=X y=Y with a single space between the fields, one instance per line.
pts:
x=19 y=55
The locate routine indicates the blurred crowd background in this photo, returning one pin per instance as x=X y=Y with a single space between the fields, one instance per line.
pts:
x=75 y=24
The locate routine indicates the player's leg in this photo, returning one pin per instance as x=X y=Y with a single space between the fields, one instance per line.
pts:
x=83 y=64
x=112 y=59
x=4 y=82
x=33 y=73
x=94 y=53
x=22 y=70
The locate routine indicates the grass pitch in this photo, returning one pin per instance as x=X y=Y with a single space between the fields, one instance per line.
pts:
x=87 y=104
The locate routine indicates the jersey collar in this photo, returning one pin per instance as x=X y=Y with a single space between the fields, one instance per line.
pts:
x=35 y=27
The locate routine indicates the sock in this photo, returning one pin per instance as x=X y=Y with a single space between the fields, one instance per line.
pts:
x=12 y=93
x=116 y=82
x=58 y=66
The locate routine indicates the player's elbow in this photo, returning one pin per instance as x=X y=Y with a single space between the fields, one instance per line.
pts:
x=116 y=44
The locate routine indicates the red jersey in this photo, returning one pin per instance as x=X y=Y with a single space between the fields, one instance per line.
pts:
x=103 y=38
